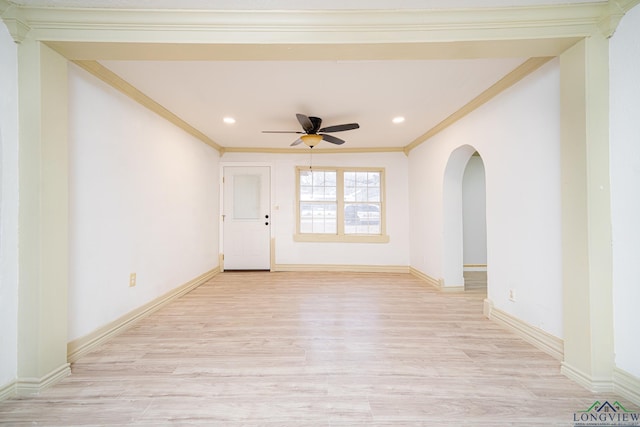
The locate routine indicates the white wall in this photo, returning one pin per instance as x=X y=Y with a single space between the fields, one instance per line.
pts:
x=518 y=136
x=393 y=253
x=624 y=63
x=474 y=217
x=143 y=199
x=8 y=208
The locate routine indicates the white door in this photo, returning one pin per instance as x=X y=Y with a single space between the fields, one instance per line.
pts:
x=246 y=218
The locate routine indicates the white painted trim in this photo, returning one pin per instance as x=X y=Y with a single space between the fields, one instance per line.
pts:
x=423 y=276
x=519 y=73
x=595 y=385
x=436 y=283
x=542 y=340
x=487 y=305
x=81 y=346
x=342 y=268
x=103 y=73
x=36 y=385
x=268 y=26
x=474 y=267
x=626 y=385
x=342 y=238
x=8 y=390
x=457 y=288
x=316 y=150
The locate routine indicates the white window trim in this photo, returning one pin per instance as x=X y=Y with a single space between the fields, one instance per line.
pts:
x=340 y=235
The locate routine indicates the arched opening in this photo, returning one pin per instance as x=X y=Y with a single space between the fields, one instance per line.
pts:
x=474 y=226
x=464 y=202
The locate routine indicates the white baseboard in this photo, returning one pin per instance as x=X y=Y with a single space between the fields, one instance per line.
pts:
x=81 y=346
x=342 y=268
x=544 y=341
x=595 y=385
x=36 y=385
x=436 y=283
x=8 y=390
x=474 y=267
x=626 y=385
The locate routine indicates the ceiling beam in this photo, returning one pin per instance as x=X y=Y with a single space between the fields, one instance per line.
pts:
x=312 y=26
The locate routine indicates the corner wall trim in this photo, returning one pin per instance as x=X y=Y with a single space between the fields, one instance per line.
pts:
x=8 y=390
x=595 y=385
x=542 y=340
x=436 y=283
x=424 y=276
x=342 y=268
x=626 y=385
x=36 y=385
x=81 y=346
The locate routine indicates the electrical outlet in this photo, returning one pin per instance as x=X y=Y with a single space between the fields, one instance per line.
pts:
x=512 y=295
x=132 y=280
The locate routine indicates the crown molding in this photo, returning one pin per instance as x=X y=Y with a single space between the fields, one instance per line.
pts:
x=302 y=150
x=616 y=11
x=625 y=5
x=4 y=5
x=314 y=26
x=14 y=20
x=519 y=73
x=118 y=83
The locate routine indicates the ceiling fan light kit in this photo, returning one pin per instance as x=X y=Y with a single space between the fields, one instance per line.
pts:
x=311 y=140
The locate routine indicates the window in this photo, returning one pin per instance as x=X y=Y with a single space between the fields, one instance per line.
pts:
x=318 y=202
x=340 y=204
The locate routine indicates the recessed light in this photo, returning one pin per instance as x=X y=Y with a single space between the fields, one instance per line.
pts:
x=398 y=119
x=229 y=120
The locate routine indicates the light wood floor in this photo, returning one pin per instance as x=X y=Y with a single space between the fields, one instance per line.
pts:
x=312 y=349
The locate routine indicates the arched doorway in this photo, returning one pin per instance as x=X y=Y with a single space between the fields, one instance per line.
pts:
x=454 y=218
x=474 y=226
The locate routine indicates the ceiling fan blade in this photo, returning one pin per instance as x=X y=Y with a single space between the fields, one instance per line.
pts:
x=340 y=128
x=332 y=139
x=316 y=122
x=281 y=131
x=296 y=142
x=305 y=123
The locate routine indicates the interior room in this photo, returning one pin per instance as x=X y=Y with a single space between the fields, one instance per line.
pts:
x=438 y=166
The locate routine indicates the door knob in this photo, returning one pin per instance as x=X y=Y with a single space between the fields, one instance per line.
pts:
x=266 y=223
x=266 y=216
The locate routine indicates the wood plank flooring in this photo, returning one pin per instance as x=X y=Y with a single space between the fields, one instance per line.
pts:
x=312 y=349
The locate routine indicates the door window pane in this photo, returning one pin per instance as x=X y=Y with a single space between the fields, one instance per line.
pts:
x=246 y=197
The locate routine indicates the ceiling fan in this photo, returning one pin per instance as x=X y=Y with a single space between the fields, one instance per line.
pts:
x=313 y=133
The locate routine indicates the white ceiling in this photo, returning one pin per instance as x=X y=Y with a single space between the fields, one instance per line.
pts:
x=266 y=94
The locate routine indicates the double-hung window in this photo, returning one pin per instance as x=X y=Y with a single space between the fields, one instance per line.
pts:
x=340 y=204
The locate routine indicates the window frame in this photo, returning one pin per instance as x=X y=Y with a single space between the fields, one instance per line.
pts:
x=340 y=235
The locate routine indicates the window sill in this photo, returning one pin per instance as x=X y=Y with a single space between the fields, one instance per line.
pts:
x=346 y=238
